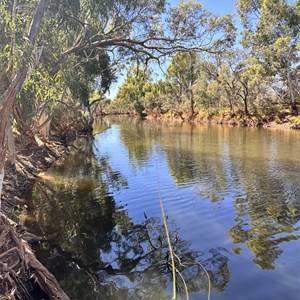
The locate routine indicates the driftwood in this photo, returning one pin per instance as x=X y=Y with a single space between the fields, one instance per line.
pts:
x=21 y=274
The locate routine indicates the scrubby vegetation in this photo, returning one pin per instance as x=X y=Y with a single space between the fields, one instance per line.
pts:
x=251 y=81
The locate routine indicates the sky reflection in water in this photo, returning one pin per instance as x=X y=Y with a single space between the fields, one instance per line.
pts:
x=231 y=196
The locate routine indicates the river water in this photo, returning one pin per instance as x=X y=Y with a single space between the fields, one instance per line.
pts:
x=231 y=199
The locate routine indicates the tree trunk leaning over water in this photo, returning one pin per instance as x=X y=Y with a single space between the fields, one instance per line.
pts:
x=7 y=99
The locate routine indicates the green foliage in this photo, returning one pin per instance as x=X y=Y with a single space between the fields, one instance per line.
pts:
x=182 y=72
x=90 y=75
x=40 y=87
x=261 y=74
x=14 y=25
x=189 y=21
x=133 y=90
x=273 y=38
x=83 y=44
x=155 y=97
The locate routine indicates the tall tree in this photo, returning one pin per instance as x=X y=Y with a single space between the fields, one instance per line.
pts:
x=132 y=91
x=141 y=27
x=272 y=31
x=15 y=76
x=183 y=72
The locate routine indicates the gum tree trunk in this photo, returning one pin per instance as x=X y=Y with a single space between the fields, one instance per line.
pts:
x=11 y=156
x=7 y=99
x=294 y=109
x=6 y=104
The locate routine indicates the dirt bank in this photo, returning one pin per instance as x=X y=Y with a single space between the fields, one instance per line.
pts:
x=284 y=121
x=22 y=276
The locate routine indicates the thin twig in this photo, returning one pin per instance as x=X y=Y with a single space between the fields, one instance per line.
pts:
x=168 y=237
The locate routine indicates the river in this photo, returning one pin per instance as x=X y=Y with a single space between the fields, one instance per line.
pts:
x=231 y=198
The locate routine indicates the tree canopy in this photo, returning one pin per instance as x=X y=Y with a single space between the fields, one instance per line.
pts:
x=59 y=54
x=254 y=75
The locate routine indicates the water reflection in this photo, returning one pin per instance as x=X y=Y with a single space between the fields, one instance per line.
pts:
x=138 y=152
x=257 y=169
x=97 y=251
x=263 y=226
x=139 y=260
x=234 y=193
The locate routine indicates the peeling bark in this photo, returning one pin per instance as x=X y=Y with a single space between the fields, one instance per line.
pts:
x=294 y=109
x=1 y=183
x=11 y=156
x=7 y=99
x=44 y=123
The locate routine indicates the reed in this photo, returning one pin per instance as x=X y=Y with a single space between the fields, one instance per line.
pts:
x=168 y=238
x=173 y=255
x=184 y=283
x=209 y=282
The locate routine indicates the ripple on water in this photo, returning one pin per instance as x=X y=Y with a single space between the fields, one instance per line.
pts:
x=230 y=188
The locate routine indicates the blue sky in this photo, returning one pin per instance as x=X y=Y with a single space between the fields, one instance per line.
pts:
x=220 y=7
x=217 y=6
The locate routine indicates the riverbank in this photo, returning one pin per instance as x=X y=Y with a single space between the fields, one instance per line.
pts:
x=283 y=120
x=229 y=193
x=22 y=276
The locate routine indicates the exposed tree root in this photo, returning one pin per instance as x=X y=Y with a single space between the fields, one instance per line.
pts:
x=21 y=274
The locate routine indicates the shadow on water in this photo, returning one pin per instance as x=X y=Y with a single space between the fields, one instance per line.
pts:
x=96 y=250
x=232 y=197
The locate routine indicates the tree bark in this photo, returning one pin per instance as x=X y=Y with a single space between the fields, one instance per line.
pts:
x=44 y=124
x=246 y=105
x=6 y=104
x=7 y=99
x=11 y=156
x=192 y=101
x=1 y=183
x=294 y=109
x=244 y=96
x=230 y=102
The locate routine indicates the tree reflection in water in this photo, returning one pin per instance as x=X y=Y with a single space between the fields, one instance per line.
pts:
x=253 y=170
x=139 y=260
x=135 y=260
x=264 y=226
x=97 y=252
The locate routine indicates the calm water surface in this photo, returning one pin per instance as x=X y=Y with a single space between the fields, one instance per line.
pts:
x=231 y=198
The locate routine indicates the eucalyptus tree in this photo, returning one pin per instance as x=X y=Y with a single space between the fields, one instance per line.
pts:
x=252 y=84
x=222 y=82
x=156 y=98
x=89 y=76
x=234 y=80
x=238 y=76
x=61 y=81
x=182 y=72
x=146 y=28
x=132 y=91
x=81 y=31
x=272 y=31
x=20 y=27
